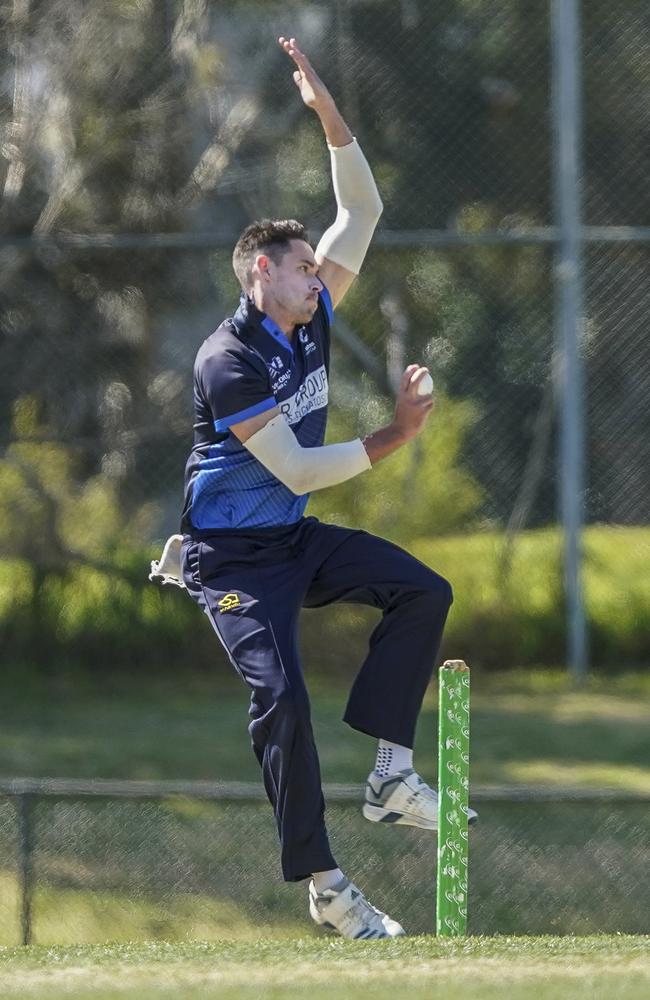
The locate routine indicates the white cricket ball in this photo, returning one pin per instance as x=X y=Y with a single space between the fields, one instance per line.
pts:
x=425 y=385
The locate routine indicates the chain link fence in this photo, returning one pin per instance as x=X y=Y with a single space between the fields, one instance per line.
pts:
x=139 y=139
x=173 y=865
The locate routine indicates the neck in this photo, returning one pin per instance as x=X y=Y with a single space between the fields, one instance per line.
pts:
x=277 y=314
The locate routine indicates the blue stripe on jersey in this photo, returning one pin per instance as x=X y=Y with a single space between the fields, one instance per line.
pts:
x=225 y=422
x=232 y=489
x=327 y=302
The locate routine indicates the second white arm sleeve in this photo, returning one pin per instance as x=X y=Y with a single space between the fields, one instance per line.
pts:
x=359 y=207
x=305 y=469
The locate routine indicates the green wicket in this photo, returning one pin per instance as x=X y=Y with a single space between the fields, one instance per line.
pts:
x=453 y=789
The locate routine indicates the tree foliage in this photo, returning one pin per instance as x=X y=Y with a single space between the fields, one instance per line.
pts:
x=127 y=118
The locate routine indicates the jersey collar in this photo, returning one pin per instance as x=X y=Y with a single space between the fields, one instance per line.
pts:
x=248 y=315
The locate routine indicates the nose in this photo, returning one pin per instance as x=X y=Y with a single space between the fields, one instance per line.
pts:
x=317 y=284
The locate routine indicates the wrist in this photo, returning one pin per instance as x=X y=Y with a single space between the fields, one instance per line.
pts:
x=333 y=124
x=400 y=434
x=385 y=441
x=325 y=107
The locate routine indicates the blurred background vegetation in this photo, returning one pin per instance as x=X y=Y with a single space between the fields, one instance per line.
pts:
x=138 y=138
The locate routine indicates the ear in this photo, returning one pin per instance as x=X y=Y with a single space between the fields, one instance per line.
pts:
x=262 y=266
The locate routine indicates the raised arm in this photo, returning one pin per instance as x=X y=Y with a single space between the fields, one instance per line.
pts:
x=343 y=246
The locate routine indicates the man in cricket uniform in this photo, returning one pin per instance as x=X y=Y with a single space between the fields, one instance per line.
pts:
x=251 y=559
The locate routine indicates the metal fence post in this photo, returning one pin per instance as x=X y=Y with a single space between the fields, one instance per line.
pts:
x=25 y=849
x=567 y=121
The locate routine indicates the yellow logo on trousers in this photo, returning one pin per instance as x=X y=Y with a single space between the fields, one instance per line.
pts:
x=228 y=602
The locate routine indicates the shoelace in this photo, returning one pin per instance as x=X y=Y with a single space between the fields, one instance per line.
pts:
x=422 y=792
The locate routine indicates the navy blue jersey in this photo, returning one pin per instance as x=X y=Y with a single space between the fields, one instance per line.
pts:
x=245 y=367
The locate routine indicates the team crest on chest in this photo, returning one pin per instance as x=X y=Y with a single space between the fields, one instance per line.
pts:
x=279 y=376
x=308 y=344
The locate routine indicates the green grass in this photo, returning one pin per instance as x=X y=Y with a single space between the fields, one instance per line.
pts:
x=527 y=728
x=508 y=609
x=69 y=916
x=501 y=617
x=180 y=869
x=592 y=968
x=186 y=870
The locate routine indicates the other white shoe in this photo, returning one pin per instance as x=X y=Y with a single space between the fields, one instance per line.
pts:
x=167 y=569
x=345 y=909
x=403 y=798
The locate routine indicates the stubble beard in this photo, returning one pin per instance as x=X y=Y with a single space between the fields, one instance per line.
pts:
x=310 y=311
x=300 y=313
x=306 y=318
x=305 y=315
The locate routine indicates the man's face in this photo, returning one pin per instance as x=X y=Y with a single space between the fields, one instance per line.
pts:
x=293 y=284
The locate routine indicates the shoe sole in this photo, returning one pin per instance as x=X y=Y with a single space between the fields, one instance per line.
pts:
x=377 y=814
x=363 y=935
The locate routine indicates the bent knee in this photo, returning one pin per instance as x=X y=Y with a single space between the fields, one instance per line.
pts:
x=437 y=590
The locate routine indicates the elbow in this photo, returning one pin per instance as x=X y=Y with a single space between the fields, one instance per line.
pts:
x=297 y=471
x=371 y=212
x=373 y=206
x=298 y=482
x=368 y=212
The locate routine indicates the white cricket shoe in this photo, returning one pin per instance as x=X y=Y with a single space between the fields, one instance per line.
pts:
x=167 y=569
x=345 y=909
x=403 y=798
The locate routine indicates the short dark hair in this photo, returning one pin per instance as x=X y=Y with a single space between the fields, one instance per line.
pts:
x=268 y=236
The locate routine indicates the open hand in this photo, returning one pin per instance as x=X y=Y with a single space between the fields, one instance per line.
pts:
x=312 y=89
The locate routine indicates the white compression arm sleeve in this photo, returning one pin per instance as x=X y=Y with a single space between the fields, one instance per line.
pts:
x=305 y=469
x=359 y=207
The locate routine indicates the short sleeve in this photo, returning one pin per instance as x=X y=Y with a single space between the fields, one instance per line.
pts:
x=235 y=385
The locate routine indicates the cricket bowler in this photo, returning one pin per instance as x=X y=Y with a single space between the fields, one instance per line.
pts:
x=252 y=560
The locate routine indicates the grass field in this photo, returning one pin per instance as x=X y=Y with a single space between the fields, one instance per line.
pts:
x=527 y=728
x=181 y=870
x=507 y=968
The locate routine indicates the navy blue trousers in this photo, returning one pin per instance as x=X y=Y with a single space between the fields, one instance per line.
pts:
x=252 y=585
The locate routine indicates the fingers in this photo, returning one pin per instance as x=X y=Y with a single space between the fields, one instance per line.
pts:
x=292 y=50
x=406 y=377
x=411 y=379
x=418 y=374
